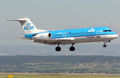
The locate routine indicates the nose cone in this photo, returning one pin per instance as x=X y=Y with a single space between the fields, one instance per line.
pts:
x=112 y=36
x=115 y=36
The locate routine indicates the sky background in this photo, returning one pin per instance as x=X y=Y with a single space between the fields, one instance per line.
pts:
x=56 y=15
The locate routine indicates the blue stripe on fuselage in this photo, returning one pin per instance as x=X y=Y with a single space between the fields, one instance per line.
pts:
x=76 y=32
x=80 y=32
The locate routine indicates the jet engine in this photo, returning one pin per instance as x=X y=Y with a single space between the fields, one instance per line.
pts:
x=42 y=36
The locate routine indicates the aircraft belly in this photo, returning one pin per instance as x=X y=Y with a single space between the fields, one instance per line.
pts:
x=91 y=39
x=71 y=40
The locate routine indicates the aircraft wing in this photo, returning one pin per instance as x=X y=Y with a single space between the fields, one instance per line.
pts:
x=56 y=41
x=66 y=39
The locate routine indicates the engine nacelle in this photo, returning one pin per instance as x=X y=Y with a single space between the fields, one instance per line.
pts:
x=43 y=36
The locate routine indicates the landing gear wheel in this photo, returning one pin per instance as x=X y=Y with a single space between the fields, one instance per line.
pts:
x=72 y=48
x=104 y=45
x=58 y=48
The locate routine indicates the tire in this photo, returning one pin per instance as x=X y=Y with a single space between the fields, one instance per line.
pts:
x=58 y=48
x=72 y=48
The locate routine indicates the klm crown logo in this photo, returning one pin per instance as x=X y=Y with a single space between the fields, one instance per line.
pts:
x=28 y=26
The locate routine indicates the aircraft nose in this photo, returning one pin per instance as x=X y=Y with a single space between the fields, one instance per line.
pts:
x=112 y=36
x=115 y=36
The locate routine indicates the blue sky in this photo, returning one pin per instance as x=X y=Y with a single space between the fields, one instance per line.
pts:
x=53 y=15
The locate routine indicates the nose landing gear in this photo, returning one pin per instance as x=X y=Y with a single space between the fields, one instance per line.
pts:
x=104 y=45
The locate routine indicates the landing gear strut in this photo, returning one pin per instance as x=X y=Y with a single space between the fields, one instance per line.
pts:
x=58 y=48
x=104 y=45
x=72 y=48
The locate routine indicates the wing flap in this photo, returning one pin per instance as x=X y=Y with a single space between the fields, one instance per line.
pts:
x=65 y=39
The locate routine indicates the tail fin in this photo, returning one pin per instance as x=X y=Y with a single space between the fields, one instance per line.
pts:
x=28 y=26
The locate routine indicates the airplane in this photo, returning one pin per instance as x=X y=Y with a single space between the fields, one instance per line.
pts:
x=68 y=36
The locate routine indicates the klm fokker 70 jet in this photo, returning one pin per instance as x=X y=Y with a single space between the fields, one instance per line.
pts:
x=69 y=36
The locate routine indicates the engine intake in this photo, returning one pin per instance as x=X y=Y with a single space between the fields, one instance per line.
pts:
x=43 y=36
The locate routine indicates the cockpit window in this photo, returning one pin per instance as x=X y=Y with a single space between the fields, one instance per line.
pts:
x=106 y=30
x=109 y=30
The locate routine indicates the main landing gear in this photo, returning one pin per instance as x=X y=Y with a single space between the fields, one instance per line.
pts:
x=72 y=48
x=58 y=48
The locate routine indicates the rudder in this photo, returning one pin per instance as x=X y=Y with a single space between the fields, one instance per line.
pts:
x=28 y=26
